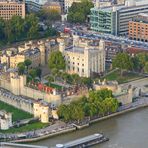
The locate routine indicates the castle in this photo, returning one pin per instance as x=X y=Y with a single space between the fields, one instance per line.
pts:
x=124 y=96
x=84 y=57
x=37 y=52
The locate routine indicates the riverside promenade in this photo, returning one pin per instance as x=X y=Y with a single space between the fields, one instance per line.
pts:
x=60 y=127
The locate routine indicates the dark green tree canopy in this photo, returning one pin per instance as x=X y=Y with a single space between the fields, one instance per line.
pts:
x=56 y=61
x=123 y=62
x=78 y=11
x=27 y=62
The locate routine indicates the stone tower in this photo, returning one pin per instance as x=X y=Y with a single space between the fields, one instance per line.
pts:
x=61 y=44
x=102 y=54
x=76 y=40
x=44 y=114
x=43 y=53
x=41 y=111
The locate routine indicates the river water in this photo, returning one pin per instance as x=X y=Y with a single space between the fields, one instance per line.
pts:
x=129 y=130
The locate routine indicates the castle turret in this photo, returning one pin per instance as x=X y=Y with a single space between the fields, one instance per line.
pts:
x=75 y=40
x=43 y=53
x=44 y=114
x=61 y=44
x=36 y=109
x=102 y=45
x=41 y=111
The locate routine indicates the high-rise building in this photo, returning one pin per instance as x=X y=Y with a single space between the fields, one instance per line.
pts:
x=138 y=28
x=114 y=19
x=9 y=8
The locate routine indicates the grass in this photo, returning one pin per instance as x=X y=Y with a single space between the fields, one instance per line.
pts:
x=25 y=128
x=17 y=114
x=55 y=86
x=127 y=76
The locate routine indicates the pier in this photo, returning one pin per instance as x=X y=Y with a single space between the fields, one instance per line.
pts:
x=84 y=142
x=14 y=145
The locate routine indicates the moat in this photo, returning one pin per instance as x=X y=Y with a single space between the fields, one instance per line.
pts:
x=129 y=130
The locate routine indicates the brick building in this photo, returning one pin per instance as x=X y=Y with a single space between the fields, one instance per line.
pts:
x=11 y=8
x=138 y=28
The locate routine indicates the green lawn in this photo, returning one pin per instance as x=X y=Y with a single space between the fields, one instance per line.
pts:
x=25 y=128
x=16 y=113
x=55 y=86
x=127 y=76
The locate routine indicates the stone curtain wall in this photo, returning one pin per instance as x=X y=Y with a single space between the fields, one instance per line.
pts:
x=16 y=101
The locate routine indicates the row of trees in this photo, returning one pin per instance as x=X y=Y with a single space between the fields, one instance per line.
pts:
x=17 y=29
x=78 y=12
x=99 y=103
x=137 y=63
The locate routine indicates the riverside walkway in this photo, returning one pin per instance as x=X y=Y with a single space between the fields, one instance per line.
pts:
x=14 y=145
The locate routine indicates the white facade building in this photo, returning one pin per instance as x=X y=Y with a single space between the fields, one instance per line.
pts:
x=83 y=58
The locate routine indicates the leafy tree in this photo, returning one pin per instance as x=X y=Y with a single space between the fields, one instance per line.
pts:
x=31 y=26
x=48 y=16
x=32 y=73
x=78 y=12
x=27 y=63
x=142 y=58
x=100 y=94
x=136 y=63
x=56 y=60
x=64 y=112
x=21 y=68
x=2 y=25
x=146 y=67
x=38 y=72
x=123 y=62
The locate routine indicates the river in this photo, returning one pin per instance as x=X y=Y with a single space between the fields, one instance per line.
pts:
x=129 y=130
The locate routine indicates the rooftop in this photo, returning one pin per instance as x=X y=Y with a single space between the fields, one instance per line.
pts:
x=142 y=17
x=30 y=52
x=128 y=5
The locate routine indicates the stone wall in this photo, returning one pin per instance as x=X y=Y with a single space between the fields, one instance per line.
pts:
x=16 y=101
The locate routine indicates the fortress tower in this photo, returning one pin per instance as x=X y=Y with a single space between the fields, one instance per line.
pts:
x=43 y=53
x=41 y=111
x=61 y=44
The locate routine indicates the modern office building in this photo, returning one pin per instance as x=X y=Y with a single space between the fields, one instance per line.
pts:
x=138 y=28
x=115 y=19
x=9 y=8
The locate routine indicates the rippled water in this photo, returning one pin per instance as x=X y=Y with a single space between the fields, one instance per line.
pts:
x=126 y=131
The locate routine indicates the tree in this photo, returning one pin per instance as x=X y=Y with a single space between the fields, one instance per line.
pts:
x=142 y=58
x=136 y=63
x=56 y=60
x=49 y=16
x=123 y=62
x=64 y=112
x=86 y=81
x=21 y=68
x=31 y=26
x=146 y=67
x=78 y=12
x=27 y=63
x=100 y=94
x=32 y=73
x=38 y=72
x=2 y=33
